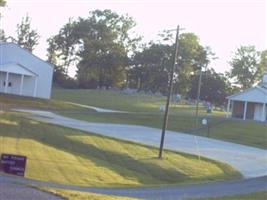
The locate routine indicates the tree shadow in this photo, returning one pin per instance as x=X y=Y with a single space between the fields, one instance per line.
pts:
x=121 y=163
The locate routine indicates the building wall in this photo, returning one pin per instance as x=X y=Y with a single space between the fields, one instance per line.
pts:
x=259 y=115
x=11 y=53
x=15 y=81
x=238 y=109
x=250 y=110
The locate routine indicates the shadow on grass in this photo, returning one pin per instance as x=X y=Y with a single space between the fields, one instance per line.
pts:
x=120 y=163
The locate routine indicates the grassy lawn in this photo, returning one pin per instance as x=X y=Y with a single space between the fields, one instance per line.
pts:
x=237 y=131
x=251 y=196
x=68 y=156
x=74 y=195
x=146 y=112
x=13 y=101
x=109 y=99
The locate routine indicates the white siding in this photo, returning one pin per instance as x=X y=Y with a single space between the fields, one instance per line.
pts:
x=11 y=53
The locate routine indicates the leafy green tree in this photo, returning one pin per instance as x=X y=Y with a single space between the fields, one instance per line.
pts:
x=214 y=88
x=151 y=68
x=106 y=45
x=246 y=69
x=263 y=62
x=2 y=32
x=27 y=37
x=192 y=57
x=63 y=47
x=98 y=45
x=2 y=3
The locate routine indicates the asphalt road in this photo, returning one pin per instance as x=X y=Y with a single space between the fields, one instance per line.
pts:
x=250 y=161
x=218 y=189
x=15 y=191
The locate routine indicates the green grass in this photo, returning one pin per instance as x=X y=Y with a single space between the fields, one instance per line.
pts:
x=251 y=196
x=237 y=131
x=146 y=112
x=14 y=101
x=109 y=99
x=68 y=156
x=74 y=195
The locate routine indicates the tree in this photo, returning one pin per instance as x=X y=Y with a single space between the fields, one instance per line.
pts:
x=98 y=45
x=246 y=69
x=214 y=87
x=27 y=38
x=63 y=47
x=263 y=62
x=2 y=32
x=2 y=3
x=106 y=44
x=151 y=67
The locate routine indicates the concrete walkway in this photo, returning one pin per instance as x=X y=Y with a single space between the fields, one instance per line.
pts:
x=250 y=161
x=15 y=191
x=97 y=109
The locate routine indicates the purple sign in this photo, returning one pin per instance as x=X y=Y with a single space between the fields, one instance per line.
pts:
x=13 y=164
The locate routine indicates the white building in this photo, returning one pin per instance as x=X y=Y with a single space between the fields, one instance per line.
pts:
x=22 y=73
x=250 y=103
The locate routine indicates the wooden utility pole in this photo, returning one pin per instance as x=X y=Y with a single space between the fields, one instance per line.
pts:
x=165 y=122
x=198 y=98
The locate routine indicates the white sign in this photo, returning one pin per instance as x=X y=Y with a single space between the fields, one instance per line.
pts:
x=204 y=121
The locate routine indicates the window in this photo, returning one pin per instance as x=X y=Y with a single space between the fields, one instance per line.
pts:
x=9 y=84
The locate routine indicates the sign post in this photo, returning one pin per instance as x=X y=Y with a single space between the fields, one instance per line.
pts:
x=13 y=164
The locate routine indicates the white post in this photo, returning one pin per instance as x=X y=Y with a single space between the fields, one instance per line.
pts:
x=228 y=108
x=263 y=112
x=35 y=87
x=21 y=84
x=245 y=110
x=7 y=80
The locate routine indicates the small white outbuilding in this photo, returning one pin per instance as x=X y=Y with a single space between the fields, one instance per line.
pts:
x=23 y=73
x=250 y=103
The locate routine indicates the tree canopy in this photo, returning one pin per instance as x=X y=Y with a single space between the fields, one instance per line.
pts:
x=99 y=44
x=214 y=87
x=27 y=37
x=2 y=3
x=246 y=68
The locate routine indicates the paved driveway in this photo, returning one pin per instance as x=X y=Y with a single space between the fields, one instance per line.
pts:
x=250 y=161
x=218 y=189
x=15 y=191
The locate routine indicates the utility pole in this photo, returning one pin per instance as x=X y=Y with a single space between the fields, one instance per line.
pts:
x=165 y=122
x=198 y=98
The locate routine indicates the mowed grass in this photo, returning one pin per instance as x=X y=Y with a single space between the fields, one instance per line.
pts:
x=68 y=156
x=14 y=101
x=237 y=131
x=75 y=195
x=144 y=110
x=109 y=99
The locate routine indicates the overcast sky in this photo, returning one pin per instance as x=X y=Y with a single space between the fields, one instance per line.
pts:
x=223 y=25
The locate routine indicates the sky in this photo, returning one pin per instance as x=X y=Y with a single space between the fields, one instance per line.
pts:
x=223 y=25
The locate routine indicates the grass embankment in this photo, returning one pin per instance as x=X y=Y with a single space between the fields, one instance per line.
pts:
x=251 y=196
x=74 y=195
x=8 y=101
x=73 y=157
x=144 y=110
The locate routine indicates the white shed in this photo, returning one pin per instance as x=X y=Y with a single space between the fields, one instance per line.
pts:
x=23 y=73
x=250 y=103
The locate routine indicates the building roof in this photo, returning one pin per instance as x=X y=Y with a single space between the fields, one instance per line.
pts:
x=25 y=50
x=16 y=68
x=257 y=94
